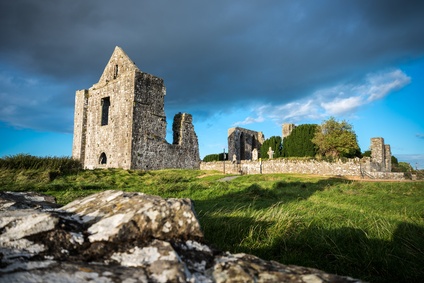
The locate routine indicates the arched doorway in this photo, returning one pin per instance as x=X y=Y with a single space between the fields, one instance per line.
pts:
x=103 y=158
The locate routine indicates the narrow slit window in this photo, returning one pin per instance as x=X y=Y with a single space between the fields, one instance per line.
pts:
x=115 y=72
x=105 y=110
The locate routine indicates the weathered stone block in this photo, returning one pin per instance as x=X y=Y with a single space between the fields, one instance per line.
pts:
x=117 y=236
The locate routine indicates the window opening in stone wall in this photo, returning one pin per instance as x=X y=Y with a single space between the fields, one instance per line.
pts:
x=242 y=147
x=105 y=110
x=254 y=143
x=103 y=158
x=115 y=72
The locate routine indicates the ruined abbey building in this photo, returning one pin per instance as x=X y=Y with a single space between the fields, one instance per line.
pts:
x=244 y=143
x=120 y=122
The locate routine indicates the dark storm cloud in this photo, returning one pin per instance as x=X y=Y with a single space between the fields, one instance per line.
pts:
x=210 y=53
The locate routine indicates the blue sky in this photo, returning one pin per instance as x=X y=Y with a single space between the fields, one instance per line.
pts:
x=252 y=64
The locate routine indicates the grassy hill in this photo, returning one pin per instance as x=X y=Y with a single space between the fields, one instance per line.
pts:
x=369 y=230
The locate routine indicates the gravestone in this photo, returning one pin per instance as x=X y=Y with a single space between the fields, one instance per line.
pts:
x=255 y=154
x=270 y=153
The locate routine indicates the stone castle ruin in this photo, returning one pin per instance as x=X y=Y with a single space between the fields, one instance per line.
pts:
x=242 y=142
x=120 y=122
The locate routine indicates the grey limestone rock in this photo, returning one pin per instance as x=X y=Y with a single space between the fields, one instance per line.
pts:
x=116 y=236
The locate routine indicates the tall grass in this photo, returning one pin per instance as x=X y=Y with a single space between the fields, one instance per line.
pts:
x=369 y=230
x=26 y=161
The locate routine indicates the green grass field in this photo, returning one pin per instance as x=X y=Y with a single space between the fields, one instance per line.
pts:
x=369 y=230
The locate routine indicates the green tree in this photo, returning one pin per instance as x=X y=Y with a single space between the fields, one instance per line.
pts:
x=275 y=142
x=394 y=160
x=299 y=142
x=366 y=153
x=336 y=139
x=404 y=167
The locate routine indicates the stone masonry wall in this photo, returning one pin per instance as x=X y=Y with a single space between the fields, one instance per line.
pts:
x=350 y=168
x=388 y=160
x=353 y=167
x=80 y=125
x=153 y=152
x=185 y=141
x=114 y=138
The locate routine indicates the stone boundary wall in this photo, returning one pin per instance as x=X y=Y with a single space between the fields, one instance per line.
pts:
x=387 y=175
x=351 y=167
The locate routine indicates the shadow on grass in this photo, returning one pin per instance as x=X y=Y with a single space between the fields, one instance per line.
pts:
x=345 y=251
x=232 y=230
x=259 y=197
x=229 y=231
x=349 y=252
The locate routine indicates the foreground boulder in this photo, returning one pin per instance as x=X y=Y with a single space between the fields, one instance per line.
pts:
x=117 y=236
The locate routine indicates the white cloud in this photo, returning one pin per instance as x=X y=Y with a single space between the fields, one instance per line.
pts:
x=292 y=111
x=260 y=113
x=342 y=105
x=346 y=98
x=338 y=100
x=249 y=120
x=379 y=85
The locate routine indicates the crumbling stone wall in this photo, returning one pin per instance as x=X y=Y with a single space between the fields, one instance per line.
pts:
x=153 y=152
x=241 y=143
x=120 y=122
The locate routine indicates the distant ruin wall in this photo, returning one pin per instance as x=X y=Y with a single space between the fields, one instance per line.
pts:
x=352 y=167
x=287 y=129
x=241 y=143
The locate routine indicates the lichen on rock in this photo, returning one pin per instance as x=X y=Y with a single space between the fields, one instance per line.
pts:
x=116 y=236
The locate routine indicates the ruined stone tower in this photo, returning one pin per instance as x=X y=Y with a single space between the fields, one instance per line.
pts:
x=381 y=156
x=287 y=129
x=120 y=122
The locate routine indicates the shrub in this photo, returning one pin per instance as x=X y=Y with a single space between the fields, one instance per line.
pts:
x=215 y=157
x=299 y=142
